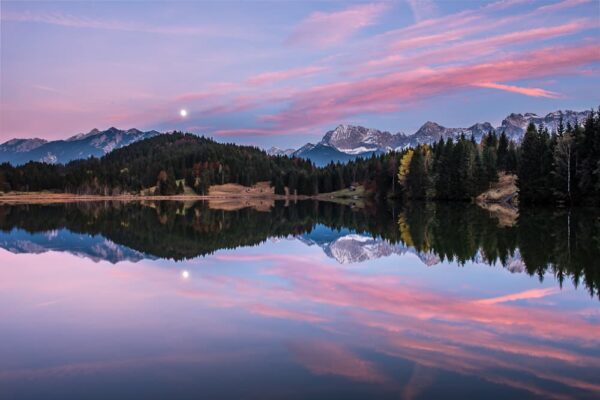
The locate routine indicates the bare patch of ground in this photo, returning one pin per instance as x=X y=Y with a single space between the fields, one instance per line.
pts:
x=261 y=189
x=503 y=191
x=501 y=200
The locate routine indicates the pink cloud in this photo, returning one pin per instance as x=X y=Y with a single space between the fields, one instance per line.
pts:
x=325 y=358
x=445 y=47
x=440 y=37
x=429 y=39
x=525 y=295
x=276 y=76
x=322 y=29
x=562 y=5
x=278 y=312
x=533 y=92
x=332 y=102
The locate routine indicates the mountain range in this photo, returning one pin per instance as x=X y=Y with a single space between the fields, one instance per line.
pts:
x=342 y=144
x=347 y=142
x=84 y=145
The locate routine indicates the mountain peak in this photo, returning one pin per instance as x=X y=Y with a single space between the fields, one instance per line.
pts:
x=430 y=128
x=80 y=136
x=431 y=124
x=276 y=151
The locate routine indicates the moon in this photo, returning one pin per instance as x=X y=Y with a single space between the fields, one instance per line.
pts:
x=185 y=274
x=183 y=112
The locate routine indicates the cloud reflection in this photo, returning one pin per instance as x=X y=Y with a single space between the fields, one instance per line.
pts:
x=344 y=315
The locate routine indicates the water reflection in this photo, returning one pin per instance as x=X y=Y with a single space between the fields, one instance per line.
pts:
x=565 y=243
x=310 y=300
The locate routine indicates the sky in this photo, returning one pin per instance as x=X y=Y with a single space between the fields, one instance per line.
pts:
x=283 y=73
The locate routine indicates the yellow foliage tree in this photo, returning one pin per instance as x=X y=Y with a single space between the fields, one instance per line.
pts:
x=404 y=166
x=405 y=235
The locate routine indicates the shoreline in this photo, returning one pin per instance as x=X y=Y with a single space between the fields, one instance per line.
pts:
x=41 y=197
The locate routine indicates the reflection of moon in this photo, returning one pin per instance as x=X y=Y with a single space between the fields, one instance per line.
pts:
x=183 y=112
x=185 y=274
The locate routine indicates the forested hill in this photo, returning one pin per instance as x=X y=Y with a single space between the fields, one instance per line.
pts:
x=199 y=160
x=158 y=161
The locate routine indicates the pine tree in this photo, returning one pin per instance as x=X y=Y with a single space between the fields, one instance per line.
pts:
x=502 y=153
x=564 y=166
x=416 y=180
x=442 y=169
x=277 y=183
x=512 y=160
x=490 y=163
x=534 y=167
x=587 y=157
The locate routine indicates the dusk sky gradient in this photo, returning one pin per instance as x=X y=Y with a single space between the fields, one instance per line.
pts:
x=283 y=73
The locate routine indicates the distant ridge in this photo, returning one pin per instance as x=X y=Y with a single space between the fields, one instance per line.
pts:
x=84 y=145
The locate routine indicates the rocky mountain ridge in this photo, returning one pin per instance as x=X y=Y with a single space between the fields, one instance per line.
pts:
x=84 y=145
x=346 y=142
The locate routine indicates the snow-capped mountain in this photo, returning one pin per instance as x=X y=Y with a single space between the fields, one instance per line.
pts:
x=94 y=143
x=276 y=151
x=347 y=142
x=96 y=247
x=348 y=247
x=432 y=132
x=515 y=125
x=21 y=145
x=352 y=139
x=355 y=248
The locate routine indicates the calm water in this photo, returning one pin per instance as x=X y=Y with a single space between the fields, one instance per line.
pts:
x=307 y=300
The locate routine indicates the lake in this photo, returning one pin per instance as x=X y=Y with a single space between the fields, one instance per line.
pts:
x=306 y=300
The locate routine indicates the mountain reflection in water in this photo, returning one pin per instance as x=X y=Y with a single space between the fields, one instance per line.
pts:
x=564 y=242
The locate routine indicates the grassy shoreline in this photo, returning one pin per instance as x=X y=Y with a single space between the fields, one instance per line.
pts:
x=49 y=197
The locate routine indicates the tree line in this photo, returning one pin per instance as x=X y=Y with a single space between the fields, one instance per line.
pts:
x=562 y=166
x=456 y=169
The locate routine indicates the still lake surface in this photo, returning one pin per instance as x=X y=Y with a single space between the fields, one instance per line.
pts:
x=305 y=300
